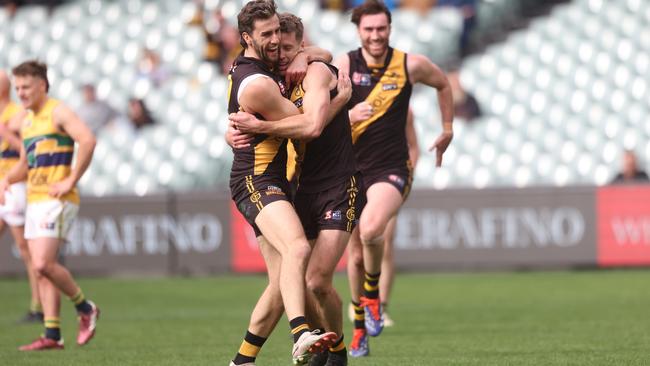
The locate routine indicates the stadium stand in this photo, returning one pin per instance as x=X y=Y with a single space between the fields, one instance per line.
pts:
x=561 y=99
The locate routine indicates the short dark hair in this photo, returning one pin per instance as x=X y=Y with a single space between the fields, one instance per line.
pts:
x=32 y=68
x=290 y=23
x=370 y=7
x=252 y=11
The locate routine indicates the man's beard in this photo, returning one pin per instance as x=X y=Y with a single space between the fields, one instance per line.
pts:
x=273 y=64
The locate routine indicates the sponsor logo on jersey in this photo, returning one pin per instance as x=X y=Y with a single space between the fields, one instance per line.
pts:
x=396 y=179
x=386 y=87
x=333 y=215
x=361 y=79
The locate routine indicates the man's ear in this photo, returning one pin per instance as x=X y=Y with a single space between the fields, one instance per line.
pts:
x=247 y=38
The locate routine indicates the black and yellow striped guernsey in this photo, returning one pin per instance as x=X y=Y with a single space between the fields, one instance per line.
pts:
x=8 y=156
x=49 y=154
x=327 y=160
x=266 y=157
x=380 y=141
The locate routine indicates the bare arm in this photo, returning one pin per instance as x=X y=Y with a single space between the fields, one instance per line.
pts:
x=308 y=125
x=66 y=120
x=237 y=139
x=263 y=96
x=421 y=70
x=344 y=87
x=18 y=173
x=412 y=139
x=297 y=69
x=11 y=131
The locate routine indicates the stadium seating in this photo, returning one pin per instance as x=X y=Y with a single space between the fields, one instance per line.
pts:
x=560 y=99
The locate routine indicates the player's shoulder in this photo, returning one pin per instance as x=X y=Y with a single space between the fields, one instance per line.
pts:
x=261 y=85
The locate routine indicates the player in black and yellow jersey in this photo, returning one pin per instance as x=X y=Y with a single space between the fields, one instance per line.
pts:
x=259 y=187
x=382 y=80
x=12 y=213
x=388 y=262
x=327 y=198
x=49 y=132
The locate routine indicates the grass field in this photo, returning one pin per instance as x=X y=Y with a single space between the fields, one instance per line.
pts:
x=530 y=318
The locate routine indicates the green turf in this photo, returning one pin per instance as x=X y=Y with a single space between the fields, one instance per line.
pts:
x=536 y=318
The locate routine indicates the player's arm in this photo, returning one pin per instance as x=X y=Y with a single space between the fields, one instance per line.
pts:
x=263 y=96
x=344 y=88
x=237 y=139
x=412 y=139
x=421 y=70
x=297 y=69
x=66 y=120
x=11 y=131
x=307 y=125
x=17 y=173
x=363 y=110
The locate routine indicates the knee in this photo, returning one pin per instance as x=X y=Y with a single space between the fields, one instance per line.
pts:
x=356 y=259
x=371 y=233
x=300 y=251
x=319 y=285
x=42 y=268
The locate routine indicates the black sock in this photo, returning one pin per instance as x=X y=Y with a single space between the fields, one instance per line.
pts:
x=338 y=347
x=371 y=286
x=80 y=303
x=298 y=327
x=359 y=316
x=53 y=328
x=249 y=349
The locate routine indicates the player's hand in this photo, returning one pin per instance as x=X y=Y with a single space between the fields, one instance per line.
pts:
x=344 y=86
x=360 y=112
x=297 y=69
x=441 y=144
x=59 y=189
x=4 y=186
x=245 y=122
x=237 y=139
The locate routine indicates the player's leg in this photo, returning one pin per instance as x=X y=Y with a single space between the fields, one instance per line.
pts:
x=45 y=242
x=387 y=269
x=35 y=313
x=280 y=225
x=267 y=311
x=41 y=250
x=359 y=343
x=384 y=200
x=328 y=250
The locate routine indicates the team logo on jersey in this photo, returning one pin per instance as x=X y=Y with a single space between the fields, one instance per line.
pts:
x=274 y=190
x=396 y=179
x=333 y=215
x=361 y=79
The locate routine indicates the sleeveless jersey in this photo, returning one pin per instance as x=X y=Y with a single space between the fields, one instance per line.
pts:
x=49 y=154
x=266 y=157
x=380 y=141
x=8 y=156
x=329 y=159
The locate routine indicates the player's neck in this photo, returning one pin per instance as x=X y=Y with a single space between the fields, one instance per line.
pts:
x=250 y=53
x=40 y=104
x=4 y=102
x=372 y=61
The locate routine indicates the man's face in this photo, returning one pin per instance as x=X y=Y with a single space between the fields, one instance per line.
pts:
x=265 y=40
x=289 y=48
x=30 y=90
x=374 y=32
